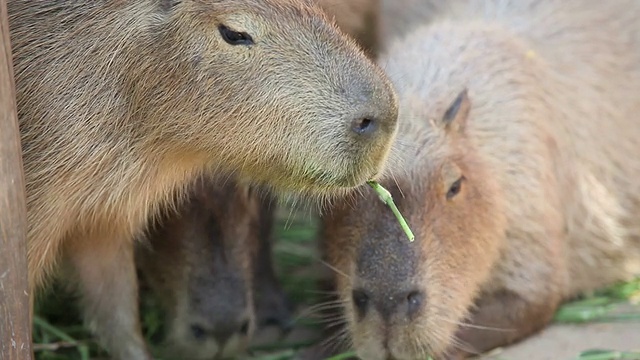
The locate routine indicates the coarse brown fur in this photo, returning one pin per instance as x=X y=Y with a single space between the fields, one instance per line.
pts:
x=122 y=104
x=199 y=263
x=542 y=146
x=399 y=17
x=358 y=18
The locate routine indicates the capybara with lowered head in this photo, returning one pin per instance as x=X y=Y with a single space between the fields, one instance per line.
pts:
x=203 y=263
x=517 y=173
x=122 y=104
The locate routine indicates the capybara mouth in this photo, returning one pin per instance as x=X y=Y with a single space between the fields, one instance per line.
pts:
x=327 y=180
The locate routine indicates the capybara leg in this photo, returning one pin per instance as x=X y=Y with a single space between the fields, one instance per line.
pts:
x=500 y=319
x=108 y=287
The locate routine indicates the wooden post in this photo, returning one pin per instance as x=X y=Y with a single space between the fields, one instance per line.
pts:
x=15 y=312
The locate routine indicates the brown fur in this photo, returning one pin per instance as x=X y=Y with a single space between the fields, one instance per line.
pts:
x=358 y=18
x=200 y=263
x=548 y=207
x=123 y=103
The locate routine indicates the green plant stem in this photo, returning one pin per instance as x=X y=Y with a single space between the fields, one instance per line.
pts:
x=386 y=198
x=82 y=348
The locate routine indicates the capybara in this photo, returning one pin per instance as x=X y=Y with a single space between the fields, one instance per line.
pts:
x=517 y=172
x=197 y=262
x=122 y=104
x=358 y=18
x=203 y=263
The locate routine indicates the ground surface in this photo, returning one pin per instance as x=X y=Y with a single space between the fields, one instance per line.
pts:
x=567 y=341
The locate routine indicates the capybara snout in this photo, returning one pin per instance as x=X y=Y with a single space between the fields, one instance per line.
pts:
x=398 y=304
x=302 y=80
x=200 y=263
x=218 y=321
x=219 y=308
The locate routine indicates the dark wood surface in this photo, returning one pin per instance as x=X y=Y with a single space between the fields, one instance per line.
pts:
x=15 y=321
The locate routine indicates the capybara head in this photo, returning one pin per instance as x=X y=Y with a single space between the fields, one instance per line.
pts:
x=268 y=89
x=404 y=300
x=198 y=262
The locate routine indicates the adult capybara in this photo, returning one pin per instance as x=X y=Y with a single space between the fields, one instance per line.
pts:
x=123 y=103
x=203 y=264
x=518 y=176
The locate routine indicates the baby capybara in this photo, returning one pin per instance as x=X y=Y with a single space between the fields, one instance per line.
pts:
x=197 y=262
x=203 y=264
x=518 y=175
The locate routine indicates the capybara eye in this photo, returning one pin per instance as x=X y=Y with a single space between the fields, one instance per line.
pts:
x=235 y=37
x=455 y=188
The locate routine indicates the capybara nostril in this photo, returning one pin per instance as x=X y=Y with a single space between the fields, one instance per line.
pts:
x=198 y=332
x=364 y=126
x=360 y=301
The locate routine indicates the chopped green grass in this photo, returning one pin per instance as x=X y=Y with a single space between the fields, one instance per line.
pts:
x=601 y=305
x=598 y=354
x=385 y=197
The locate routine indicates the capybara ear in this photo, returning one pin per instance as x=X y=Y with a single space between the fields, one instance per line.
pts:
x=455 y=118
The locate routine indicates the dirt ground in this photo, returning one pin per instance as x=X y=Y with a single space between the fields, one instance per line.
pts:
x=565 y=342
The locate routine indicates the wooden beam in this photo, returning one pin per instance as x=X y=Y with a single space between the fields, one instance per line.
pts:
x=15 y=304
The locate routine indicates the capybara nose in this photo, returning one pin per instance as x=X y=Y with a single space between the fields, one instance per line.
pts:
x=375 y=113
x=400 y=304
x=403 y=304
x=379 y=122
x=222 y=331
